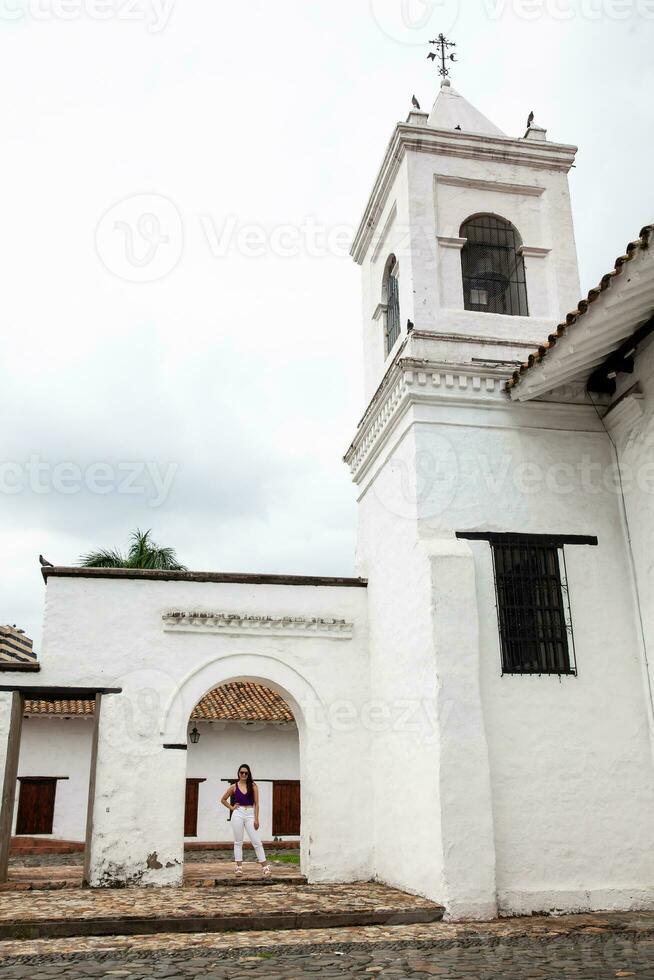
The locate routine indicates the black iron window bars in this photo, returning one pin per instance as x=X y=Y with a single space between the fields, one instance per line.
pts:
x=533 y=607
x=493 y=268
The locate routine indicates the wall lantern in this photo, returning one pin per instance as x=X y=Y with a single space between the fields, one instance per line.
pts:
x=195 y=735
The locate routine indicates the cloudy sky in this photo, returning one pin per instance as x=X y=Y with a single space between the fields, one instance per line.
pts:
x=180 y=318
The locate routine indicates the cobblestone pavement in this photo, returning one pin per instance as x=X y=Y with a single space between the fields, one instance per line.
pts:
x=569 y=947
x=143 y=903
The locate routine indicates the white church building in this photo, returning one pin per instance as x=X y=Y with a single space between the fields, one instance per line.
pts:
x=474 y=708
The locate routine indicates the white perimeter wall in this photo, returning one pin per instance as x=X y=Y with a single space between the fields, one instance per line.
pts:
x=110 y=633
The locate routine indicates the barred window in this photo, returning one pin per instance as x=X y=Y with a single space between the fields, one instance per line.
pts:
x=533 y=609
x=391 y=299
x=492 y=266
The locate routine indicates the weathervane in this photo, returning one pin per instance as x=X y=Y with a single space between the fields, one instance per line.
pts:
x=442 y=55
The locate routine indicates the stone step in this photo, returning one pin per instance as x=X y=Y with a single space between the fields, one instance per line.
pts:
x=196 y=875
x=131 y=912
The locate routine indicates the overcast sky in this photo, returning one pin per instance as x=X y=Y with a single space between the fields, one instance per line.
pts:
x=244 y=138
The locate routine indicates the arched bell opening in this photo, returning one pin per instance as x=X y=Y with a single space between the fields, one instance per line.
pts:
x=492 y=266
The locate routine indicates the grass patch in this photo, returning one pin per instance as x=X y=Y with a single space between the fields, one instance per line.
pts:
x=288 y=858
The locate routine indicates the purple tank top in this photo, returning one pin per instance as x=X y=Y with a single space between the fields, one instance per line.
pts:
x=244 y=799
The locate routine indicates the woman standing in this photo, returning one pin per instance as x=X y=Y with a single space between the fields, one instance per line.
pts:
x=242 y=799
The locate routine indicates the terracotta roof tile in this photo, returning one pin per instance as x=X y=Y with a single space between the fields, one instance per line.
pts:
x=59 y=707
x=642 y=242
x=238 y=701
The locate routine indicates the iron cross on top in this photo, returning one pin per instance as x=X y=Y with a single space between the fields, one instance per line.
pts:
x=442 y=55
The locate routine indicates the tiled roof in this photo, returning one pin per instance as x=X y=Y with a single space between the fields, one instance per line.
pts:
x=15 y=647
x=242 y=701
x=642 y=242
x=59 y=707
x=238 y=701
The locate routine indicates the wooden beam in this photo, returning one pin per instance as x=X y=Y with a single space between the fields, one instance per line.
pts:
x=9 y=783
x=35 y=693
x=92 y=782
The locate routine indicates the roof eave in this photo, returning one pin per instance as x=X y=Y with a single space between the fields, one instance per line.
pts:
x=596 y=328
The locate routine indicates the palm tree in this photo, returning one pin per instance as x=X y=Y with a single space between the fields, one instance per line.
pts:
x=142 y=553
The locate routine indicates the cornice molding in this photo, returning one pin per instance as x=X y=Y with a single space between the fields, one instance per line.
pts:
x=469 y=386
x=241 y=624
x=419 y=380
x=424 y=139
x=499 y=186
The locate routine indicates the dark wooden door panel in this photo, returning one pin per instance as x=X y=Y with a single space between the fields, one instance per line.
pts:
x=286 y=807
x=191 y=807
x=36 y=802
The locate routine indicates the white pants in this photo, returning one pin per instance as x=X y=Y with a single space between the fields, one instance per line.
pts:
x=243 y=817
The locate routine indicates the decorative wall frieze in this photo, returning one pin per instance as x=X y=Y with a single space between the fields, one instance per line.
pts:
x=240 y=624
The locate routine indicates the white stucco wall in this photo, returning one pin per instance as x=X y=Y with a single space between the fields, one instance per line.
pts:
x=633 y=434
x=570 y=762
x=110 y=633
x=59 y=747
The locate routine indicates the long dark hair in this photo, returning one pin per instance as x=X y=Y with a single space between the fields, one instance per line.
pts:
x=249 y=780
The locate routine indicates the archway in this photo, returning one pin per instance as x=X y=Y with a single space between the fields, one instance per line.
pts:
x=294 y=690
x=239 y=722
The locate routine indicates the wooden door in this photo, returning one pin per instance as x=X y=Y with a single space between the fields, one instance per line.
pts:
x=286 y=807
x=191 y=807
x=36 y=803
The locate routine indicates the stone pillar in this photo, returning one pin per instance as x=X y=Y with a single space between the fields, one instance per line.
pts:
x=11 y=724
x=464 y=782
x=138 y=813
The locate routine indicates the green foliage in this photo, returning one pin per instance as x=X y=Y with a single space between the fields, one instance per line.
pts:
x=142 y=553
x=287 y=858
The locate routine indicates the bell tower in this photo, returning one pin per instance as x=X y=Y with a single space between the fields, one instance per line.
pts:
x=468 y=235
x=468 y=262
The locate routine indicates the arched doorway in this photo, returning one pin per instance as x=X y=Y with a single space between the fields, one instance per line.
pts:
x=242 y=721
